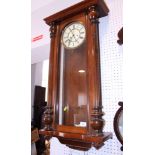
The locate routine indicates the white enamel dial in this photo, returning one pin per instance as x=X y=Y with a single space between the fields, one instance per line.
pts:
x=73 y=35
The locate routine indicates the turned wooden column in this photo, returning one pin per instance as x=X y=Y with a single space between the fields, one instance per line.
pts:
x=48 y=114
x=97 y=123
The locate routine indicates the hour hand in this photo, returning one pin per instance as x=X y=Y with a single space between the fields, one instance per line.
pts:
x=69 y=41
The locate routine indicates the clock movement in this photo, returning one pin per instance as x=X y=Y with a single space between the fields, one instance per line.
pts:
x=74 y=112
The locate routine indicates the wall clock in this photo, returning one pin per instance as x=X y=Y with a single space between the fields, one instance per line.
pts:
x=74 y=112
x=118 y=124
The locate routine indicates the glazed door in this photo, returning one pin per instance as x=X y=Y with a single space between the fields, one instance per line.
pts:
x=72 y=100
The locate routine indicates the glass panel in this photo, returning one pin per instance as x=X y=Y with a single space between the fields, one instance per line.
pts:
x=72 y=87
x=120 y=124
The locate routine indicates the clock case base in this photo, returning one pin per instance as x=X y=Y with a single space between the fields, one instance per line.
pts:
x=79 y=141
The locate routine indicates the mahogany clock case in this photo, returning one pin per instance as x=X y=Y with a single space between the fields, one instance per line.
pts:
x=66 y=110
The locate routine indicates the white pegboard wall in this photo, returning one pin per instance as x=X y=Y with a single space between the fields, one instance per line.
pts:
x=111 y=71
x=111 y=77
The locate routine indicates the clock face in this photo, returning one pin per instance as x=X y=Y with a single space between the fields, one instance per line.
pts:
x=73 y=35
